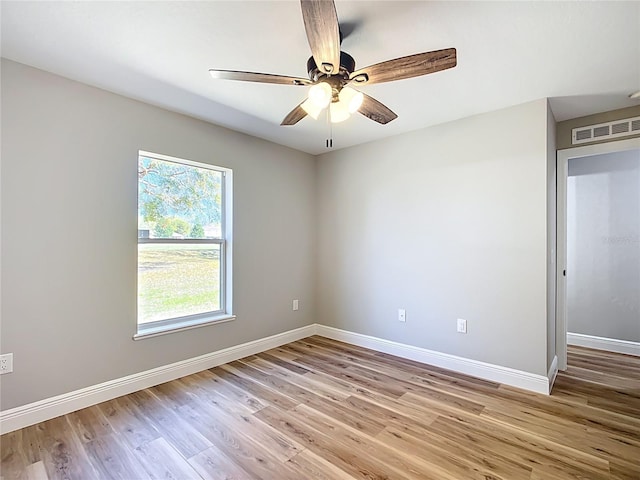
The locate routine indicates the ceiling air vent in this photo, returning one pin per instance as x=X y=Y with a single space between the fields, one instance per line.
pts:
x=605 y=131
x=601 y=131
x=620 y=127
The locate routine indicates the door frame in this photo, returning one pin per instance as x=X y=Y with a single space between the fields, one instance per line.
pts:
x=563 y=157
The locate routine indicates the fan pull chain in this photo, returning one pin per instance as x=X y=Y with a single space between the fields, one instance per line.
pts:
x=329 y=142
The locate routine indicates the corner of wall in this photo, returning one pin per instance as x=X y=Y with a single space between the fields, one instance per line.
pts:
x=551 y=235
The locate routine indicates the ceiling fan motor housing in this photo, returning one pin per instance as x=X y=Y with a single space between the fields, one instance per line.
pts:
x=347 y=66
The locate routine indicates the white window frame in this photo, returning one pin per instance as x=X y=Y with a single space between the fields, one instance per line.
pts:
x=225 y=313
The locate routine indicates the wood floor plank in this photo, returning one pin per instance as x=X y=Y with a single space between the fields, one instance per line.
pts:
x=281 y=353
x=340 y=371
x=449 y=462
x=615 y=447
x=301 y=377
x=488 y=453
x=561 y=431
x=320 y=409
x=382 y=457
x=284 y=364
x=369 y=362
x=213 y=464
x=160 y=460
x=401 y=364
x=314 y=467
x=267 y=395
x=607 y=362
x=624 y=402
x=11 y=455
x=125 y=419
x=231 y=420
x=623 y=471
x=209 y=381
x=514 y=446
x=89 y=423
x=187 y=440
x=36 y=471
x=29 y=444
x=532 y=448
x=112 y=459
x=338 y=409
x=63 y=454
x=415 y=414
x=320 y=355
x=324 y=440
x=256 y=459
x=173 y=394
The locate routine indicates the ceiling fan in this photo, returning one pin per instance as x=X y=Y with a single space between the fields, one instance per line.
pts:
x=332 y=73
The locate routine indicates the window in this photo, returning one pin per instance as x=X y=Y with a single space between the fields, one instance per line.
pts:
x=183 y=244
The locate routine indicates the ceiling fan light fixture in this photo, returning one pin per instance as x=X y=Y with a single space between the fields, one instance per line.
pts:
x=320 y=94
x=329 y=70
x=312 y=109
x=351 y=98
x=338 y=112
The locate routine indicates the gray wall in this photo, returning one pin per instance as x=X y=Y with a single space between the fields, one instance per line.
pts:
x=603 y=245
x=447 y=222
x=68 y=197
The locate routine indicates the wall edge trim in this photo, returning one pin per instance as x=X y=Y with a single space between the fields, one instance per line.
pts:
x=553 y=372
x=487 y=371
x=48 y=408
x=603 y=343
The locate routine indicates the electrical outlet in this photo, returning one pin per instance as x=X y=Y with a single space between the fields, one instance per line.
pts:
x=295 y=305
x=462 y=325
x=402 y=315
x=6 y=363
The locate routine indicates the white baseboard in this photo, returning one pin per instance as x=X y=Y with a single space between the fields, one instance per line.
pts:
x=553 y=372
x=487 y=371
x=602 y=343
x=48 y=408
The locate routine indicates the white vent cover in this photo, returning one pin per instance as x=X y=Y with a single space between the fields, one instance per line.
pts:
x=603 y=131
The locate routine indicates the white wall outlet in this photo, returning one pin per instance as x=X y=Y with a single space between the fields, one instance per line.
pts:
x=462 y=325
x=295 y=305
x=402 y=315
x=6 y=363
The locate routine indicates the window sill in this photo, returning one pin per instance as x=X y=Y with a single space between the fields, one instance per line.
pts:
x=180 y=326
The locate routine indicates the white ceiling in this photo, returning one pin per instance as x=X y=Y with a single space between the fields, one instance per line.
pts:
x=583 y=55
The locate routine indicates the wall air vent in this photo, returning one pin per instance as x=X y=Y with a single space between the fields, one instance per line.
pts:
x=606 y=131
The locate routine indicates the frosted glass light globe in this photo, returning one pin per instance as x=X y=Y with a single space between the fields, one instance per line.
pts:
x=311 y=108
x=320 y=94
x=338 y=112
x=351 y=98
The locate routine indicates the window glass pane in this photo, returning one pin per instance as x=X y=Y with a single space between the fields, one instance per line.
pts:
x=175 y=280
x=178 y=201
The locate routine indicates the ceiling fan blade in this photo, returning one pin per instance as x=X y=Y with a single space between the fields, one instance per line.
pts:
x=376 y=111
x=258 y=77
x=405 y=67
x=321 y=24
x=294 y=116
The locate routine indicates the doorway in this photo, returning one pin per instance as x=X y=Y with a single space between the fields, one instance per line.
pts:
x=598 y=248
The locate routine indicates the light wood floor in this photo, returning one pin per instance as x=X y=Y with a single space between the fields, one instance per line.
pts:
x=320 y=409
